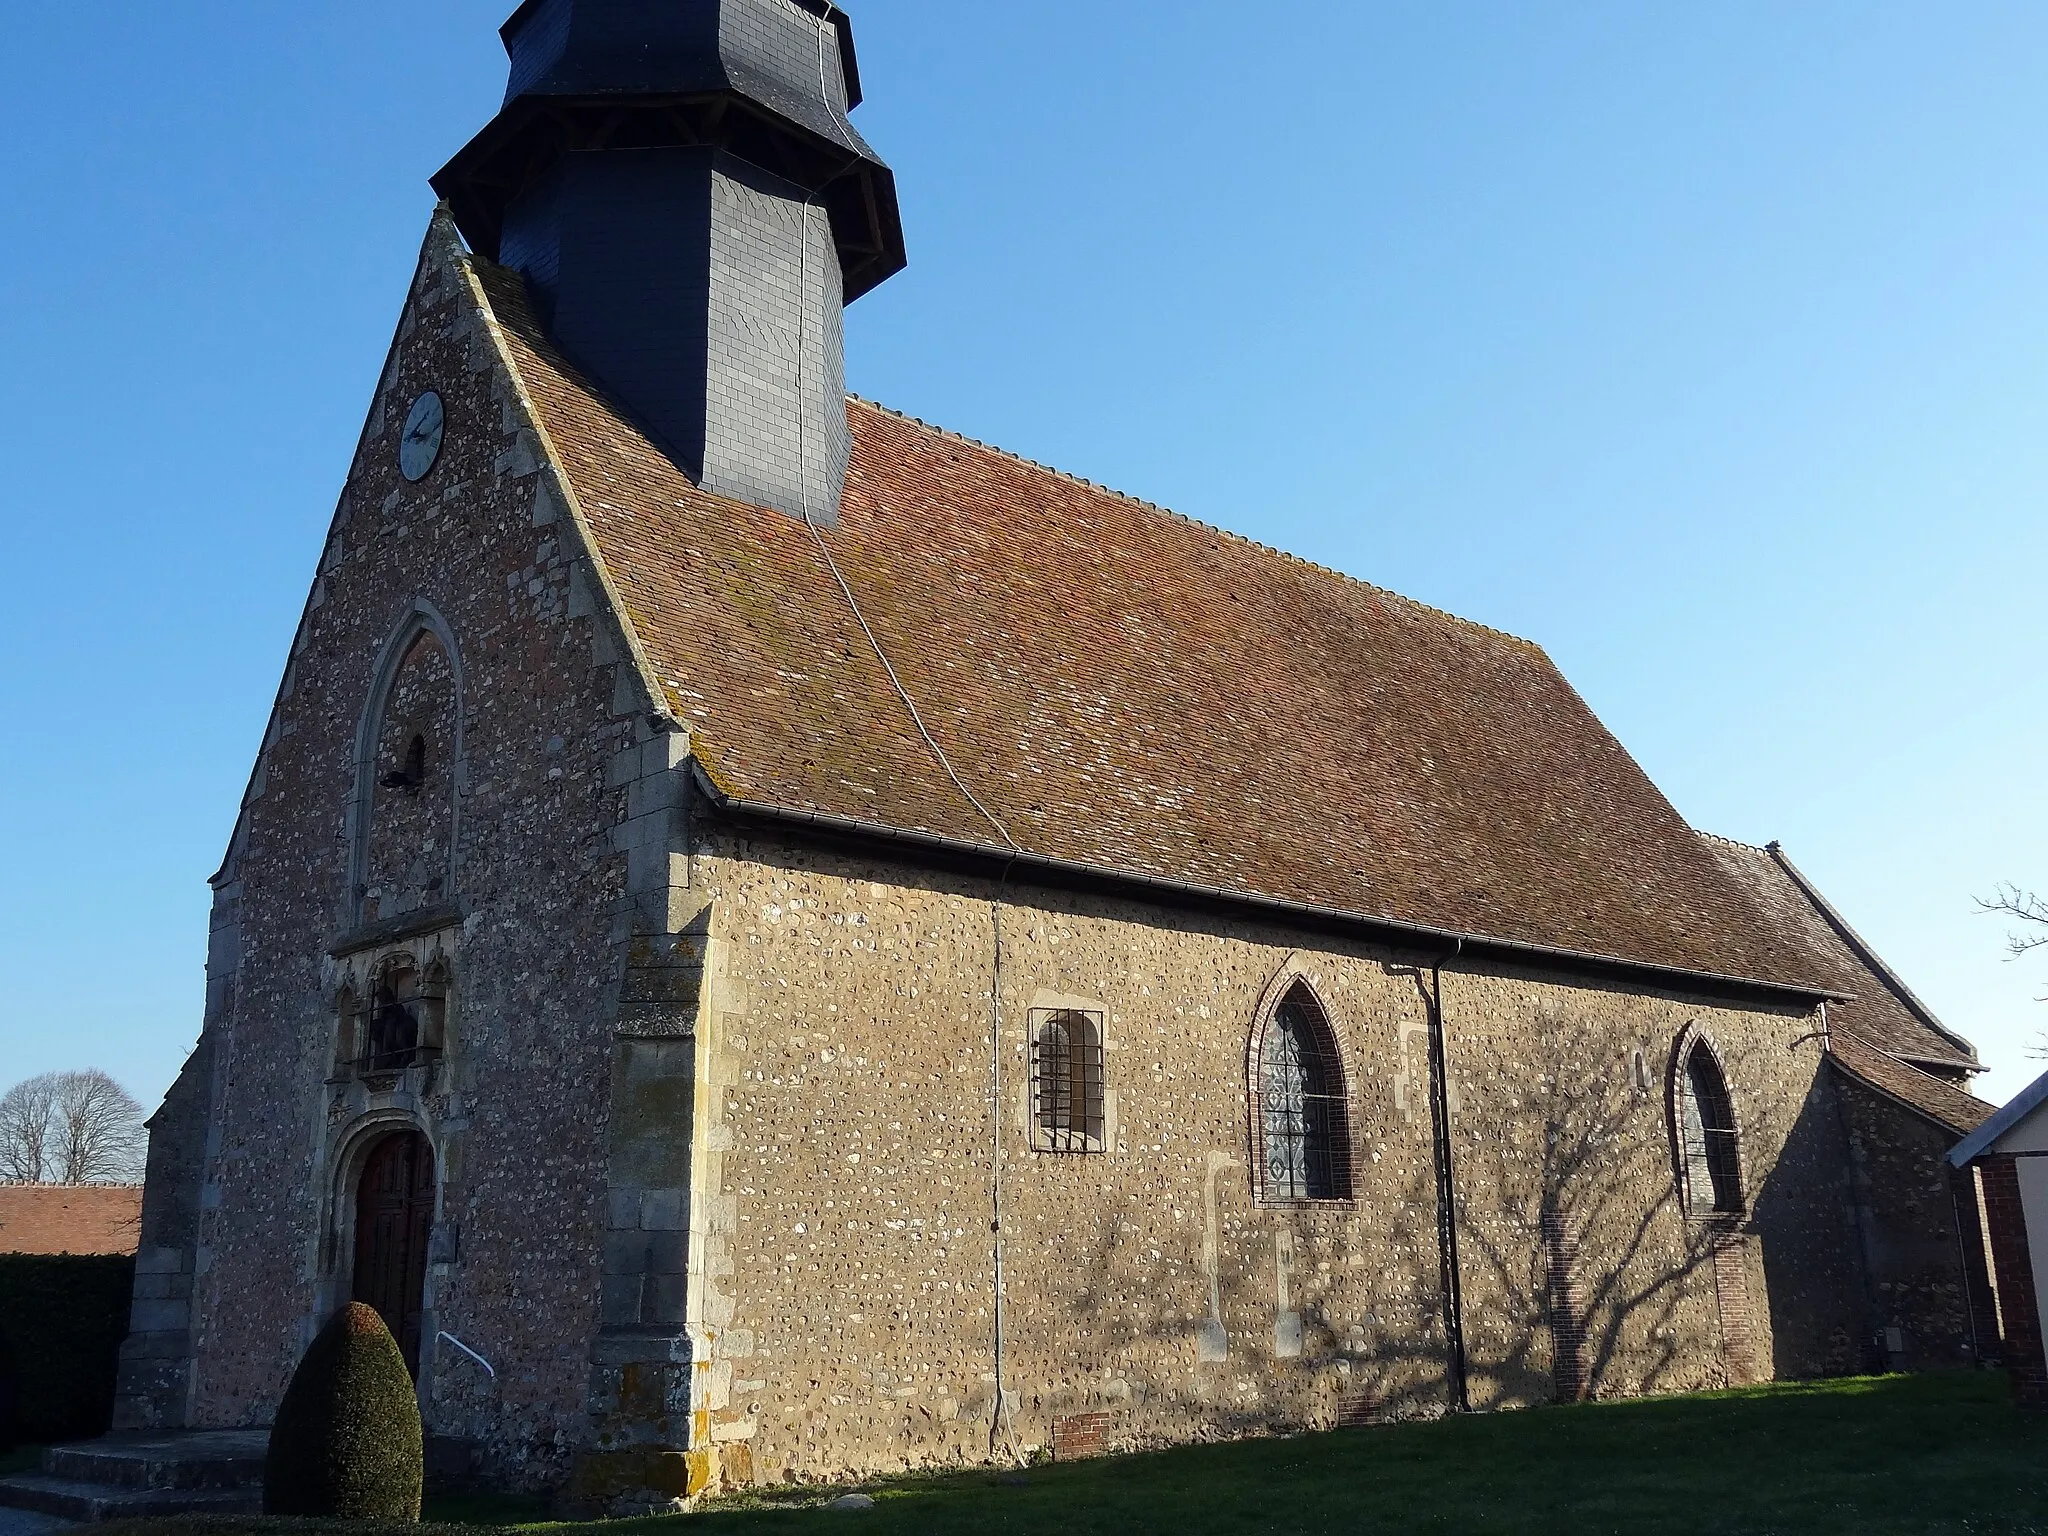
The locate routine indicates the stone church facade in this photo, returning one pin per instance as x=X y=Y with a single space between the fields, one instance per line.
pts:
x=774 y=942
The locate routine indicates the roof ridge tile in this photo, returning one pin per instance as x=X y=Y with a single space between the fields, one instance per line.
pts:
x=1733 y=842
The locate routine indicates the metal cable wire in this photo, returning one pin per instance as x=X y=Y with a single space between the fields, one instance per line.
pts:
x=1001 y=1423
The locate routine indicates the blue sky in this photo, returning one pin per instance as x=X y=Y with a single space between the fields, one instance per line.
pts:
x=1705 y=345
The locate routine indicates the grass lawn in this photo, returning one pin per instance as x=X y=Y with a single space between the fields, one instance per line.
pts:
x=1895 y=1454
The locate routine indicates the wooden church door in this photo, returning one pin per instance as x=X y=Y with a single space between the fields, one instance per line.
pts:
x=394 y=1223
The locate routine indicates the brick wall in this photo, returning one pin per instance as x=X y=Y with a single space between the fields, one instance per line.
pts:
x=2018 y=1301
x=1732 y=1301
x=1567 y=1304
x=1080 y=1436
x=1973 y=1240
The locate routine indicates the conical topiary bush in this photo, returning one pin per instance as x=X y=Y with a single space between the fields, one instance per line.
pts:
x=346 y=1443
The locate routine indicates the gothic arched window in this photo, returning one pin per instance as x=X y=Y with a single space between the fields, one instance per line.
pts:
x=1709 y=1155
x=1066 y=1083
x=1298 y=1093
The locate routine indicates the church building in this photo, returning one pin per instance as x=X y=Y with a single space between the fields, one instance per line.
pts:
x=774 y=942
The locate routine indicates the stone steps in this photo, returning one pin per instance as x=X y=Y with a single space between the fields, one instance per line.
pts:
x=219 y=1471
x=68 y=1499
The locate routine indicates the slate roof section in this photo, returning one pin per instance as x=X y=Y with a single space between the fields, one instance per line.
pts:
x=1885 y=1012
x=70 y=1218
x=1131 y=690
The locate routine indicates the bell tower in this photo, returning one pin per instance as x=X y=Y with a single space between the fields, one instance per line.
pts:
x=680 y=185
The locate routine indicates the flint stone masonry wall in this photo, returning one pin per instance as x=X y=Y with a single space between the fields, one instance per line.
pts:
x=154 y=1380
x=1920 y=1314
x=541 y=916
x=844 y=1206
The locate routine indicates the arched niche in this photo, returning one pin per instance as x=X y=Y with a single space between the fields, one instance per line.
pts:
x=406 y=809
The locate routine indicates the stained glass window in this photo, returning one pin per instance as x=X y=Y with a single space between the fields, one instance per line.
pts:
x=1301 y=1101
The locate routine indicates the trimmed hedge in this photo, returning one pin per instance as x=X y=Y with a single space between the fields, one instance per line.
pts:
x=62 y=1320
x=10 y=1393
x=347 y=1440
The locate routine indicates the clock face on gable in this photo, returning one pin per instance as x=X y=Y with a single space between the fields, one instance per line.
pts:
x=420 y=444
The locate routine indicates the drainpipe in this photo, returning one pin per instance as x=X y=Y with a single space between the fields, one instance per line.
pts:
x=1968 y=1176
x=1446 y=1188
x=1002 y=1427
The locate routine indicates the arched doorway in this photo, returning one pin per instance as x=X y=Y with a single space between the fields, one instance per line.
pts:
x=394 y=1223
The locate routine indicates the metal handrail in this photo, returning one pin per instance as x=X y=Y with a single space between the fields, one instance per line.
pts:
x=479 y=1359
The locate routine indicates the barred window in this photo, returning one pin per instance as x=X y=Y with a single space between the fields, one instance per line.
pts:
x=1066 y=1083
x=405 y=1020
x=1299 y=1089
x=1709 y=1156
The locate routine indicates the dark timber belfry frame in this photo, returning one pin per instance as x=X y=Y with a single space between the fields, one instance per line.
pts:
x=629 y=74
x=679 y=185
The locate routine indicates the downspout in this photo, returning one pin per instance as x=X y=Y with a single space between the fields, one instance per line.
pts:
x=1955 y=1209
x=1002 y=1428
x=1446 y=1189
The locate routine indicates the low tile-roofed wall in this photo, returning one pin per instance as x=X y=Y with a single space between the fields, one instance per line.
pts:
x=1944 y=1103
x=70 y=1218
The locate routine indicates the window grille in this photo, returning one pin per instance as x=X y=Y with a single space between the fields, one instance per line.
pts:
x=1709 y=1151
x=392 y=1039
x=1300 y=1089
x=403 y=1025
x=1066 y=1084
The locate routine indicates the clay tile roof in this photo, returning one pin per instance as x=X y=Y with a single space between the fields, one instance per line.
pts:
x=1129 y=689
x=70 y=1218
x=1885 y=1013
x=1944 y=1103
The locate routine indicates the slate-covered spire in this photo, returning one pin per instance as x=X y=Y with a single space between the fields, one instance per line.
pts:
x=680 y=185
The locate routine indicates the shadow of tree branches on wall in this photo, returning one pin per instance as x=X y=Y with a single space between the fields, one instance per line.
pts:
x=1584 y=1278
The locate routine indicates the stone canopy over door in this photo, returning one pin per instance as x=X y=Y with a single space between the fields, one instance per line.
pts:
x=394 y=1226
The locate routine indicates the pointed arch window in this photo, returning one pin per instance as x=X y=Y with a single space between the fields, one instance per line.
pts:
x=1709 y=1151
x=1304 y=1137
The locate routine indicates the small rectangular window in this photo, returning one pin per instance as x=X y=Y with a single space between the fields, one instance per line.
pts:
x=1066 y=1082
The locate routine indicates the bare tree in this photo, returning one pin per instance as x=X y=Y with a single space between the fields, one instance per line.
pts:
x=2032 y=912
x=28 y=1122
x=71 y=1128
